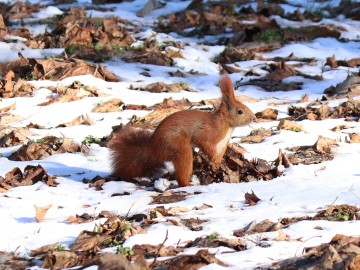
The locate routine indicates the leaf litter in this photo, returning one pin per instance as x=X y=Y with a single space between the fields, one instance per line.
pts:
x=45 y=147
x=30 y=176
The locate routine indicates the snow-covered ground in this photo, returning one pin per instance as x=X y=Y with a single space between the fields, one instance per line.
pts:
x=301 y=190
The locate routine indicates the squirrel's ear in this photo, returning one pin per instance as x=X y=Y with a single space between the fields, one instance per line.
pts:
x=226 y=101
x=227 y=87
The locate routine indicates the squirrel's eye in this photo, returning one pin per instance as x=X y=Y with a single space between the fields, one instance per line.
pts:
x=240 y=112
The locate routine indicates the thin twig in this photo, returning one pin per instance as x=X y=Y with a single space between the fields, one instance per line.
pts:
x=158 y=251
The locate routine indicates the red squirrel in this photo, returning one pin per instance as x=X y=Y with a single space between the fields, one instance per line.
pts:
x=141 y=153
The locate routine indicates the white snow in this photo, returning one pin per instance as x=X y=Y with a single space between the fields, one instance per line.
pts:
x=302 y=190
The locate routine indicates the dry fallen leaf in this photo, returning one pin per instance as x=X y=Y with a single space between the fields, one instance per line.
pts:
x=8 y=108
x=251 y=199
x=305 y=98
x=257 y=136
x=112 y=105
x=83 y=119
x=281 y=236
x=41 y=212
x=353 y=138
x=169 y=197
x=340 y=127
x=259 y=227
x=60 y=260
x=289 y=125
x=341 y=250
x=267 y=115
x=324 y=144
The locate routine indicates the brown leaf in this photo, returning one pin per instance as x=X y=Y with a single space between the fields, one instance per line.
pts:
x=31 y=175
x=267 y=115
x=311 y=32
x=84 y=218
x=41 y=212
x=331 y=61
x=340 y=127
x=171 y=53
x=46 y=147
x=251 y=199
x=324 y=144
x=289 y=125
x=73 y=92
x=88 y=241
x=342 y=212
x=281 y=71
x=308 y=155
x=10 y=260
x=44 y=249
x=169 y=197
x=58 y=69
x=305 y=98
x=150 y=56
x=110 y=261
x=354 y=138
x=323 y=112
x=177 y=73
x=60 y=260
x=261 y=227
x=341 y=250
x=8 y=108
x=196 y=261
x=234 y=168
x=7 y=118
x=150 y=251
x=14 y=136
x=12 y=86
x=80 y=120
x=178 y=104
x=194 y=224
x=282 y=160
x=97 y=182
x=111 y=105
x=203 y=207
x=257 y=136
x=214 y=241
x=3 y=29
x=350 y=86
x=177 y=210
x=281 y=236
x=160 y=87
x=153 y=119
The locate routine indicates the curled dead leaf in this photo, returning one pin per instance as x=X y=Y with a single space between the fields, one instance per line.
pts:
x=40 y=212
x=251 y=199
x=83 y=119
x=8 y=108
x=324 y=144
x=353 y=138
x=267 y=115
x=261 y=227
x=169 y=197
x=257 y=136
x=289 y=125
x=111 y=105
x=60 y=260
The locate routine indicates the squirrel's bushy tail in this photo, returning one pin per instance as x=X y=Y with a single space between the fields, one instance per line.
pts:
x=132 y=155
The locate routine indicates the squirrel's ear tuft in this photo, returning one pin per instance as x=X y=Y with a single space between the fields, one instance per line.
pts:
x=227 y=87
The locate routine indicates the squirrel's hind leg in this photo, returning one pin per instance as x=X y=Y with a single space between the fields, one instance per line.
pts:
x=183 y=163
